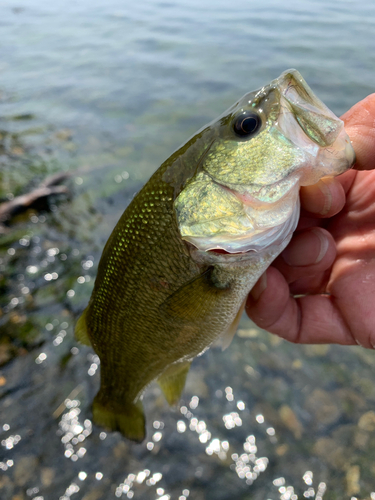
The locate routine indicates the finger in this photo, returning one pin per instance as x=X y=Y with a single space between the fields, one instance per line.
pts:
x=310 y=253
x=324 y=199
x=360 y=126
x=274 y=285
x=308 y=222
x=307 y=320
x=268 y=298
x=311 y=284
x=346 y=179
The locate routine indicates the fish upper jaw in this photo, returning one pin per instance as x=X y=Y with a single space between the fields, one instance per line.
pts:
x=312 y=127
x=319 y=161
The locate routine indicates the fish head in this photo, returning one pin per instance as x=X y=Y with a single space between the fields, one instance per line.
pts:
x=244 y=194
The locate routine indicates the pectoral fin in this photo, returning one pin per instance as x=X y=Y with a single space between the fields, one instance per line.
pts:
x=172 y=381
x=194 y=301
x=227 y=338
x=81 y=330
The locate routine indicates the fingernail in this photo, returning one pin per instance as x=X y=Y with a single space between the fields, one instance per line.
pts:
x=323 y=185
x=324 y=243
x=306 y=249
x=317 y=198
x=259 y=287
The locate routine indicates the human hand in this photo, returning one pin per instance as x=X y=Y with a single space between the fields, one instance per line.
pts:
x=330 y=260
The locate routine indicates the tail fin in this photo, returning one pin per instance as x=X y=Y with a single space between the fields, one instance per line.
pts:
x=81 y=329
x=130 y=421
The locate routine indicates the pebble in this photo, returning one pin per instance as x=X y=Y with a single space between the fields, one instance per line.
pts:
x=120 y=450
x=94 y=495
x=367 y=421
x=328 y=450
x=353 y=475
x=248 y=333
x=282 y=450
x=290 y=420
x=25 y=469
x=321 y=406
x=316 y=350
x=196 y=385
x=47 y=475
x=6 y=486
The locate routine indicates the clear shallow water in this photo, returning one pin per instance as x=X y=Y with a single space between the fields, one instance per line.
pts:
x=107 y=92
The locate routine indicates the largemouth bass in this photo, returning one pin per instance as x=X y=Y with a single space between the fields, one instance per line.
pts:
x=177 y=268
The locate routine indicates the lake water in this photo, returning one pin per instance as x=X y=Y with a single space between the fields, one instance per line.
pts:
x=105 y=91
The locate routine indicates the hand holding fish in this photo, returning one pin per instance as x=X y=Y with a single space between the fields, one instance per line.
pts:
x=331 y=258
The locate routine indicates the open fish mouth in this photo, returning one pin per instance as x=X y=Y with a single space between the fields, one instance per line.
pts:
x=244 y=195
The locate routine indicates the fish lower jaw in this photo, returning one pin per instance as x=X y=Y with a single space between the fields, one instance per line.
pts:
x=248 y=246
x=224 y=252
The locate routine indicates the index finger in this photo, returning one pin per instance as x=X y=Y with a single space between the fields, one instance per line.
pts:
x=323 y=199
x=311 y=319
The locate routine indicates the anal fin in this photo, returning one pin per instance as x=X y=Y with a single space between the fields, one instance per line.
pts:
x=172 y=381
x=80 y=331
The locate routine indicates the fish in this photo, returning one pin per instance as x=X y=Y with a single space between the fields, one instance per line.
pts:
x=175 y=273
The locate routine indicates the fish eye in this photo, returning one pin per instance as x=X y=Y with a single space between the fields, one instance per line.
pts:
x=247 y=123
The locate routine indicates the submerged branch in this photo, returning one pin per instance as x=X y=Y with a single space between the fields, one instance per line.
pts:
x=50 y=186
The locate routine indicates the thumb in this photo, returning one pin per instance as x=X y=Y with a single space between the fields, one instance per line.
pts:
x=360 y=126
